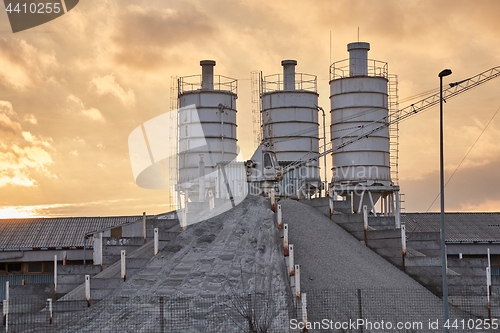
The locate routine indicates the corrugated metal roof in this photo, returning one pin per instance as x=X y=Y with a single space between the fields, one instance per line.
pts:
x=54 y=232
x=459 y=227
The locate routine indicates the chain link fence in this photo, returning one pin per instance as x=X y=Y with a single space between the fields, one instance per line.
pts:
x=339 y=310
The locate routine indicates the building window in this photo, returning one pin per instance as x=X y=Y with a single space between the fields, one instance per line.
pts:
x=116 y=232
x=48 y=267
x=13 y=268
x=35 y=267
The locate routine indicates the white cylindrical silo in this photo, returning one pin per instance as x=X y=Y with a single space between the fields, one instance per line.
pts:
x=207 y=131
x=290 y=124
x=359 y=103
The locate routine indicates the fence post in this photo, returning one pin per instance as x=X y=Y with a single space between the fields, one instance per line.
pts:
x=87 y=289
x=280 y=217
x=304 y=311
x=55 y=274
x=6 y=305
x=360 y=307
x=99 y=248
x=162 y=315
x=4 y=312
x=156 y=241
x=211 y=200
x=285 y=239
x=330 y=202
x=403 y=247
x=144 y=226
x=50 y=310
x=291 y=264
x=297 y=281
x=273 y=200
x=489 y=265
x=124 y=273
x=365 y=223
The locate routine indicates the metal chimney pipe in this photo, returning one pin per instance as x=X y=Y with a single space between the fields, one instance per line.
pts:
x=358 y=58
x=207 y=74
x=289 y=74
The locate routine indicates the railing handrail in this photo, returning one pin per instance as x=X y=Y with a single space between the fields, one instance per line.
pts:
x=341 y=69
x=194 y=82
x=303 y=82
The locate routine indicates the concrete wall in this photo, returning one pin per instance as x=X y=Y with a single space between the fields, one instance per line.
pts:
x=71 y=276
x=43 y=255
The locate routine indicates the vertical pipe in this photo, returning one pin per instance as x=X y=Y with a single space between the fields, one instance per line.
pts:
x=123 y=262
x=64 y=258
x=358 y=58
x=291 y=264
x=288 y=74
x=87 y=289
x=7 y=291
x=352 y=202
x=279 y=216
x=207 y=74
x=403 y=247
x=144 y=226
x=285 y=239
x=50 y=310
x=365 y=223
x=297 y=281
x=156 y=241
x=55 y=274
x=324 y=148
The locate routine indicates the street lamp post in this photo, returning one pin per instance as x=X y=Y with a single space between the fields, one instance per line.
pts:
x=324 y=145
x=442 y=74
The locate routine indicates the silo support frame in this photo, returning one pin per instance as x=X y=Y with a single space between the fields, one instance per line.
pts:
x=389 y=195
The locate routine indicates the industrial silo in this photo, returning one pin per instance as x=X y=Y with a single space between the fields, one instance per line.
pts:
x=206 y=129
x=290 y=126
x=359 y=103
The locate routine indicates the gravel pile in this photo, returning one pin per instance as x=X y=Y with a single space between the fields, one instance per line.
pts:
x=345 y=280
x=205 y=276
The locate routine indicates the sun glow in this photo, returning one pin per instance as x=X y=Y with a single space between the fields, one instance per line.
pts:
x=16 y=212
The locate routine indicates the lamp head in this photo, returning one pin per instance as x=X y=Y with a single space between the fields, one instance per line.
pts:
x=444 y=72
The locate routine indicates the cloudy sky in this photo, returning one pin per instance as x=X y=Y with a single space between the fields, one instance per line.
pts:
x=72 y=90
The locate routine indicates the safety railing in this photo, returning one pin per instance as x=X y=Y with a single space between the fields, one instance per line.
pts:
x=341 y=69
x=194 y=82
x=303 y=82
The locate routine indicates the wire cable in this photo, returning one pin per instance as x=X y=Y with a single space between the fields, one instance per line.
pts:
x=463 y=159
